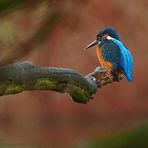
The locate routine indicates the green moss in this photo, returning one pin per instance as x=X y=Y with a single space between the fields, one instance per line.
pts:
x=45 y=84
x=76 y=92
x=79 y=95
x=14 y=88
x=2 y=88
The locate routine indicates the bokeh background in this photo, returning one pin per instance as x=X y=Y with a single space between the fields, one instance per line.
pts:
x=54 y=33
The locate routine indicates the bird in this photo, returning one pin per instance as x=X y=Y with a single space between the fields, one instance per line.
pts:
x=113 y=55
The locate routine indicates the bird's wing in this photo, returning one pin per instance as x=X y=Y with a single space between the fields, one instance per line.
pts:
x=126 y=60
x=111 y=53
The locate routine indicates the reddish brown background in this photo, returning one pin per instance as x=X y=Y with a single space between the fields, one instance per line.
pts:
x=50 y=118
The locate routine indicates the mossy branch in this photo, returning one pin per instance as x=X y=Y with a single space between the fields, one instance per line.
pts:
x=21 y=76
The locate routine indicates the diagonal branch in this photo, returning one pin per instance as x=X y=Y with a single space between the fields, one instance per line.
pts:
x=21 y=76
x=37 y=38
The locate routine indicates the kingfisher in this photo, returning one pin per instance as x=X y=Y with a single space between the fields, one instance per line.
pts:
x=113 y=55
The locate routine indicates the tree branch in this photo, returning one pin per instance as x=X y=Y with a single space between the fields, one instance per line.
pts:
x=21 y=76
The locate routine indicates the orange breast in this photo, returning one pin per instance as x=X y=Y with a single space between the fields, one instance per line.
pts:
x=105 y=64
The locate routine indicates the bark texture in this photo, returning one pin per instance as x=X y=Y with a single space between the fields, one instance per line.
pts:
x=22 y=76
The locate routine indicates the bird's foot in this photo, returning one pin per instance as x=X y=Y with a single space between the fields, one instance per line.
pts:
x=101 y=75
x=117 y=75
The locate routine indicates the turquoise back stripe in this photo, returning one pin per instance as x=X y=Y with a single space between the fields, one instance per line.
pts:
x=126 y=60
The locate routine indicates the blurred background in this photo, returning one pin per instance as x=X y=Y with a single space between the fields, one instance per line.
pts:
x=54 y=33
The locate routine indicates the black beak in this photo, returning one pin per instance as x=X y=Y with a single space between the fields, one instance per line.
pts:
x=92 y=44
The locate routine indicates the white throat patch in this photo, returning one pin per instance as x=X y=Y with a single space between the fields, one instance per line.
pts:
x=110 y=38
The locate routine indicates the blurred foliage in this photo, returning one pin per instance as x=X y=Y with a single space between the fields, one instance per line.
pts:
x=9 y=5
x=7 y=33
x=21 y=32
x=135 y=138
x=6 y=5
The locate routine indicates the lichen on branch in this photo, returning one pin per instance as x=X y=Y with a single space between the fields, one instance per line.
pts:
x=25 y=76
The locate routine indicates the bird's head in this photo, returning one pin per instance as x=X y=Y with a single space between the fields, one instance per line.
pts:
x=104 y=34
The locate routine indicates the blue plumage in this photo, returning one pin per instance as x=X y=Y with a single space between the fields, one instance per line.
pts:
x=113 y=54
x=109 y=30
x=126 y=60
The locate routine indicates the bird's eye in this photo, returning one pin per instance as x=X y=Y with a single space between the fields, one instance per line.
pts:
x=98 y=37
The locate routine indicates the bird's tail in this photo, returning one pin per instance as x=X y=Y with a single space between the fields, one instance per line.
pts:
x=129 y=77
x=126 y=60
